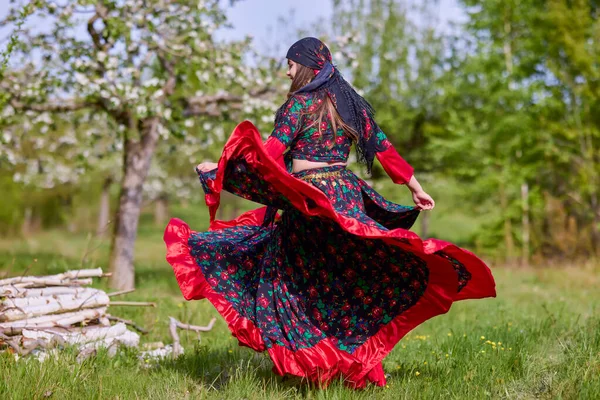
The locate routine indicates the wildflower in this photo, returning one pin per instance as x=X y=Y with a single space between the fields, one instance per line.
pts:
x=449 y=333
x=483 y=337
x=447 y=355
x=425 y=363
x=499 y=343
x=387 y=386
x=483 y=351
x=417 y=373
x=397 y=367
x=230 y=351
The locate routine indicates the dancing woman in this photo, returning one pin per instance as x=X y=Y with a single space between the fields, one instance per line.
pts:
x=326 y=277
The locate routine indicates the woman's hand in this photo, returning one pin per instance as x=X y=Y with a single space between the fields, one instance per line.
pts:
x=422 y=200
x=206 y=166
x=420 y=197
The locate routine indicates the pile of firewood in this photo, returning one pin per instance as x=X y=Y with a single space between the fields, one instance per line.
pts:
x=57 y=310
x=43 y=312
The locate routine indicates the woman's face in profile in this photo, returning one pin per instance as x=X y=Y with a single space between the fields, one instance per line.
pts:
x=291 y=72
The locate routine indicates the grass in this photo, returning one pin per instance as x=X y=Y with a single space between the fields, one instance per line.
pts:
x=539 y=339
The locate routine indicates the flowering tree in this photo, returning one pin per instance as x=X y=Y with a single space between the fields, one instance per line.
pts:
x=148 y=67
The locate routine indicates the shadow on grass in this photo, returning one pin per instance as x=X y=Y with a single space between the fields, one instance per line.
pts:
x=216 y=369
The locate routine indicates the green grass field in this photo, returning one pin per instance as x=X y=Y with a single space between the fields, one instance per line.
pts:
x=540 y=338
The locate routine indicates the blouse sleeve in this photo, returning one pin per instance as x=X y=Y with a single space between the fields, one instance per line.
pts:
x=286 y=129
x=394 y=165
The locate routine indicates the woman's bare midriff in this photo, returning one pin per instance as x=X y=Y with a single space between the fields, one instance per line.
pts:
x=301 y=165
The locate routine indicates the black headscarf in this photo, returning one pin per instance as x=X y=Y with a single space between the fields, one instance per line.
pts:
x=354 y=110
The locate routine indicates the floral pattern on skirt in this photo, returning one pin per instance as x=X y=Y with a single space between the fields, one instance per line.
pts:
x=331 y=284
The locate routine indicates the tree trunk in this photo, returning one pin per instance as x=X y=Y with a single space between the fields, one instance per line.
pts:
x=103 y=215
x=161 y=209
x=136 y=163
x=26 y=228
x=509 y=243
x=525 y=224
x=595 y=225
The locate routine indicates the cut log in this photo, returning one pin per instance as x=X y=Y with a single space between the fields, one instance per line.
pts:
x=15 y=292
x=78 y=336
x=49 y=321
x=82 y=294
x=65 y=276
x=128 y=338
x=42 y=282
x=18 y=309
x=128 y=322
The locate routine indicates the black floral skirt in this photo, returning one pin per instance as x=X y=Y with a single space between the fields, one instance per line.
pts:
x=326 y=277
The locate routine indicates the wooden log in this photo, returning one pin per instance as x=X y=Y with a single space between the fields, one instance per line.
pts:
x=78 y=336
x=128 y=322
x=47 y=282
x=81 y=294
x=127 y=338
x=16 y=292
x=50 y=321
x=65 y=276
x=17 y=309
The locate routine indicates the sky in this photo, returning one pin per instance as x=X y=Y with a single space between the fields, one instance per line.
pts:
x=259 y=18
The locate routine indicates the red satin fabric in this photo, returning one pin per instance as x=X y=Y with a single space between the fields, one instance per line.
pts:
x=395 y=166
x=323 y=362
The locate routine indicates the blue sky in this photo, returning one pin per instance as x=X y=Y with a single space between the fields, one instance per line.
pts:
x=259 y=18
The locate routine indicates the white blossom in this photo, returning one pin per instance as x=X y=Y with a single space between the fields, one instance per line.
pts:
x=151 y=82
x=81 y=79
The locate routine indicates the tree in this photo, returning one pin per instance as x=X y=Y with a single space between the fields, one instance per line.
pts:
x=134 y=64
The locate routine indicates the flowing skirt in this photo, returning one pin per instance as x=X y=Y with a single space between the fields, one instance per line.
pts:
x=328 y=285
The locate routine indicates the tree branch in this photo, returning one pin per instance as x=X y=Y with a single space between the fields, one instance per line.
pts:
x=208 y=105
x=63 y=106
x=96 y=37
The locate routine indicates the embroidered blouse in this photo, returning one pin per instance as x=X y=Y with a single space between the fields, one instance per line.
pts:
x=297 y=130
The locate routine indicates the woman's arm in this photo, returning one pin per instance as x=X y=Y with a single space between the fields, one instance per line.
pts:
x=400 y=171
x=286 y=128
x=280 y=139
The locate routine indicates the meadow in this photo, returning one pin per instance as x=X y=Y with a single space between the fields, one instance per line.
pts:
x=540 y=338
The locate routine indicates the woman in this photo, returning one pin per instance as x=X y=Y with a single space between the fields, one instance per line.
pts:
x=334 y=281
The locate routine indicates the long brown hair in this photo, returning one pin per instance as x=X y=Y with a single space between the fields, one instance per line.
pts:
x=325 y=108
